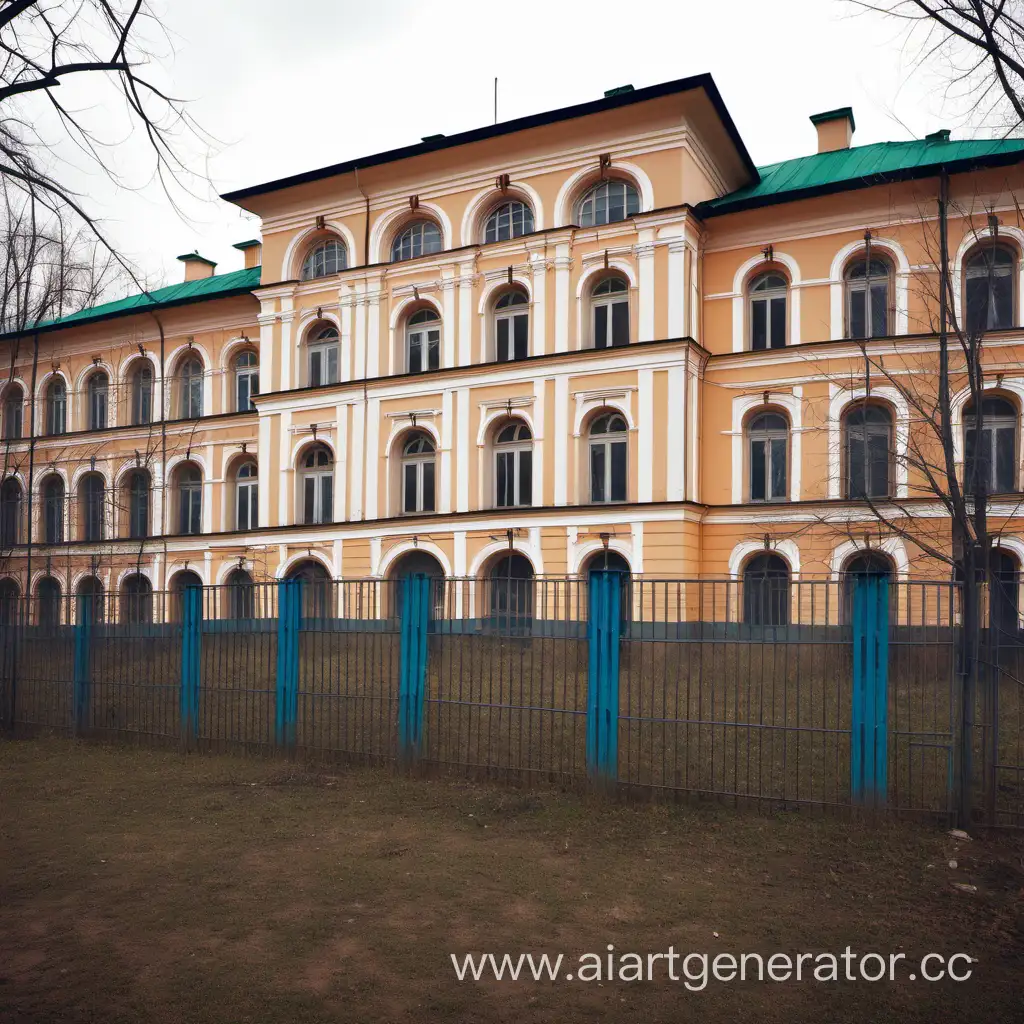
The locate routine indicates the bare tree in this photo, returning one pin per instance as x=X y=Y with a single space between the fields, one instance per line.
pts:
x=980 y=44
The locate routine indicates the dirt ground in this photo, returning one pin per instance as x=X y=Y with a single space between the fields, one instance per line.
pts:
x=144 y=885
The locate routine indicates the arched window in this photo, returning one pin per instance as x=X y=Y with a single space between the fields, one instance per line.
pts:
x=990 y=453
x=989 y=278
x=766 y=591
x=247 y=497
x=136 y=600
x=53 y=510
x=511 y=585
x=768 y=447
x=182 y=581
x=768 y=293
x=420 y=238
x=91 y=605
x=191 y=374
x=417 y=563
x=868 y=451
x=247 y=380
x=10 y=513
x=138 y=504
x=48 y=598
x=190 y=499
x=864 y=563
x=317 y=589
x=512 y=326
x=329 y=257
x=10 y=607
x=418 y=474
x=609 y=446
x=1004 y=599
x=423 y=341
x=142 y=394
x=318 y=485
x=56 y=407
x=606 y=203
x=14 y=404
x=241 y=593
x=91 y=498
x=323 y=346
x=513 y=466
x=507 y=221
x=98 y=397
x=868 y=291
x=609 y=313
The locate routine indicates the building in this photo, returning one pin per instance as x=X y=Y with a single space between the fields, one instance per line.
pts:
x=595 y=336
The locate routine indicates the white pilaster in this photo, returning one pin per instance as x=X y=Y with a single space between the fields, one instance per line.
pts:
x=538 y=315
x=372 y=456
x=676 y=431
x=263 y=470
x=444 y=481
x=562 y=266
x=448 y=326
x=466 y=320
x=359 y=334
x=645 y=284
x=373 y=333
x=289 y=356
x=286 y=515
x=561 y=439
x=645 y=439
x=538 y=441
x=463 y=452
x=342 y=460
x=676 y=288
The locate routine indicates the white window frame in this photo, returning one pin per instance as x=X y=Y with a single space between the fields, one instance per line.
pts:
x=589 y=218
x=609 y=300
x=191 y=387
x=325 y=259
x=318 y=474
x=767 y=296
x=605 y=440
x=420 y=238
x=512 y=451
x=247 y=496
x=418 y=334
x=418 y=460
x=326 y=345
x=765 y=437
x=513 y=209
x=249 y=373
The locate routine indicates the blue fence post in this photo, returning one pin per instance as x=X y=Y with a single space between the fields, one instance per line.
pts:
x=869 y=748
x=83 y=645
x=413 y=665
x=191 y=639
x=603 y=676
x=289 y=619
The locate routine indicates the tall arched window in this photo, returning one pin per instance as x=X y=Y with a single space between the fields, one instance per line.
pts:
x=48 y=598
x=864 y=563
x=511 y=585
x=191 y=374
x=14 y=404
x=246 y=497
x=768 y=448
x=868 y=298
x=53 y=510
x=513 y=466
x=241 y=592
x=190 y=499
x=507 y=221
x=768 y=293
x=990 y=450
x=10 y=607
x=136 y=600
x=423 y=341
x=183 y=581
x=323 y=346
x=609 y=312
x=329 y=257
x=420 y=238
x=868 y=451
x=418 y=474
x=247 y=379
x=512 y=326
x=1004 y=594
x=97 y=400
x=138 y=504
x=91 y=499
x=91 y=603
x=766 y=591
x=10 y=513
x=317 y=485
x=56 y=407
x=142 y=394
x=989 y=279
x=606 y=203
x=609 y=447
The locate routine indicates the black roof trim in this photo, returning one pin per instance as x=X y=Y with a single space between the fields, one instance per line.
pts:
x=704 y=81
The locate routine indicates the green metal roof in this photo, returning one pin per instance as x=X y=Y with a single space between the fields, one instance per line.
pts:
x=216 y=287
x=862 y=166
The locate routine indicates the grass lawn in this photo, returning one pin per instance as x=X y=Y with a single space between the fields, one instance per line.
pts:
x=143 y=885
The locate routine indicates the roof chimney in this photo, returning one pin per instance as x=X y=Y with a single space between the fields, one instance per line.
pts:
x=835 y=129
x=197 y=266
x=253 y=251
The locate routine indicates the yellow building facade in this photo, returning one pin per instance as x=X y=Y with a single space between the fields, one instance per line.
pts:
x=595 y=336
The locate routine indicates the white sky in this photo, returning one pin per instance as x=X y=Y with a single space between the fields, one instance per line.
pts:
x=291 y=86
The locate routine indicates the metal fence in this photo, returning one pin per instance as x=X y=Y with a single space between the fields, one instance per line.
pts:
x=835 y=694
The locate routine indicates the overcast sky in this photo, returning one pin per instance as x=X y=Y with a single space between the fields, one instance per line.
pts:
x=290 y=86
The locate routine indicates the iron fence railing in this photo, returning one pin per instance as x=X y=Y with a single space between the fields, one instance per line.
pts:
x=829 y=693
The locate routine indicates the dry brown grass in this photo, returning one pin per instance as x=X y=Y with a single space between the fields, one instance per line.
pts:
x=144 y=885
